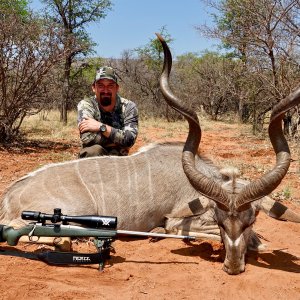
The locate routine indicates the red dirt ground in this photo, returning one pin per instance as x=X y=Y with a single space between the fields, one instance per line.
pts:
x=167 y=269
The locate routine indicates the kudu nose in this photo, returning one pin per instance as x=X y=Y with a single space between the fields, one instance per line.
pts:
x=233 y=268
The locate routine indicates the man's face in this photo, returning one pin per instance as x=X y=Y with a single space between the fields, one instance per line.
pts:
x=106 y=93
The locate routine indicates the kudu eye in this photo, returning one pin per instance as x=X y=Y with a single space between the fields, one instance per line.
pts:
x=247 y=225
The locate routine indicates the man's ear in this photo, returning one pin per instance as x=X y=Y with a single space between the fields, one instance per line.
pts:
x=93 y=87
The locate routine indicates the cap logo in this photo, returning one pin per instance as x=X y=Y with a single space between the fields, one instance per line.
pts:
x=101 y=72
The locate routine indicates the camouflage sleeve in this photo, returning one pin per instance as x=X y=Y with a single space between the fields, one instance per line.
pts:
x=126 y=136
x=85 y=109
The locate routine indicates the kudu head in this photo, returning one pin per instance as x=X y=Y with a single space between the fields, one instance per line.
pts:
x=233 y=207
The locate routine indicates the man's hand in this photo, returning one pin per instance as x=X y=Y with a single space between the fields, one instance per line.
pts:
x=89 y=124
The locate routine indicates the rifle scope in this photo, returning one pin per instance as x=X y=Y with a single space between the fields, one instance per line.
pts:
x=92 y=221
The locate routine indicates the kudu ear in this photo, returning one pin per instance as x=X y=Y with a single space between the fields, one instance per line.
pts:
x=278 y=211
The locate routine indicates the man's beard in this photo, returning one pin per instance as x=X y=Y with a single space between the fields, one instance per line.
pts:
x=105 y=99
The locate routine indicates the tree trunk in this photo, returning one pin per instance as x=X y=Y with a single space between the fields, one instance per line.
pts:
x=65 y=91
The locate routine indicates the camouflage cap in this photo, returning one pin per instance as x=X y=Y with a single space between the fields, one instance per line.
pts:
x=106 y=72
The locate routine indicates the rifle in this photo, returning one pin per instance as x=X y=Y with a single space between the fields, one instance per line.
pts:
x=102 y=228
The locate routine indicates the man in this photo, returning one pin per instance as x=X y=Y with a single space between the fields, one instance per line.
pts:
x=108 y=123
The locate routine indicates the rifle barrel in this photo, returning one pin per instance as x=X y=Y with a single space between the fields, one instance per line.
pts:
x=153 y=234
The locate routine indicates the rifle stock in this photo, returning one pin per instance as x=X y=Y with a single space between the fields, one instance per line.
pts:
x=11 y=235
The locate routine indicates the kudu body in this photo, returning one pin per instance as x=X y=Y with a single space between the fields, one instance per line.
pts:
x=232 y=205
x=139 y=189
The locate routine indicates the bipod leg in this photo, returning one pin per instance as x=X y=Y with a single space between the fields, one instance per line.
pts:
x=103 y=247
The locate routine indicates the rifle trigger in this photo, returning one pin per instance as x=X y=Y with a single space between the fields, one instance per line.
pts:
x=30 y=234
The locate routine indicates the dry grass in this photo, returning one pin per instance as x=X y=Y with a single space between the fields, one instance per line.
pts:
x=47 y=126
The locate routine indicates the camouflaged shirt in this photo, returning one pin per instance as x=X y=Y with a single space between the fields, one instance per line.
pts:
x=123 y=120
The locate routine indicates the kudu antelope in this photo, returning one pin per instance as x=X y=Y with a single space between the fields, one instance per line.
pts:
x=232 y=205
x=143 y=188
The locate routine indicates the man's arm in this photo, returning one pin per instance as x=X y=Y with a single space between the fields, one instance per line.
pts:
x=86 y=111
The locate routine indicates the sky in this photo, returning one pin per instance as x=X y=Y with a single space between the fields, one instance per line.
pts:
x=132 y=23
